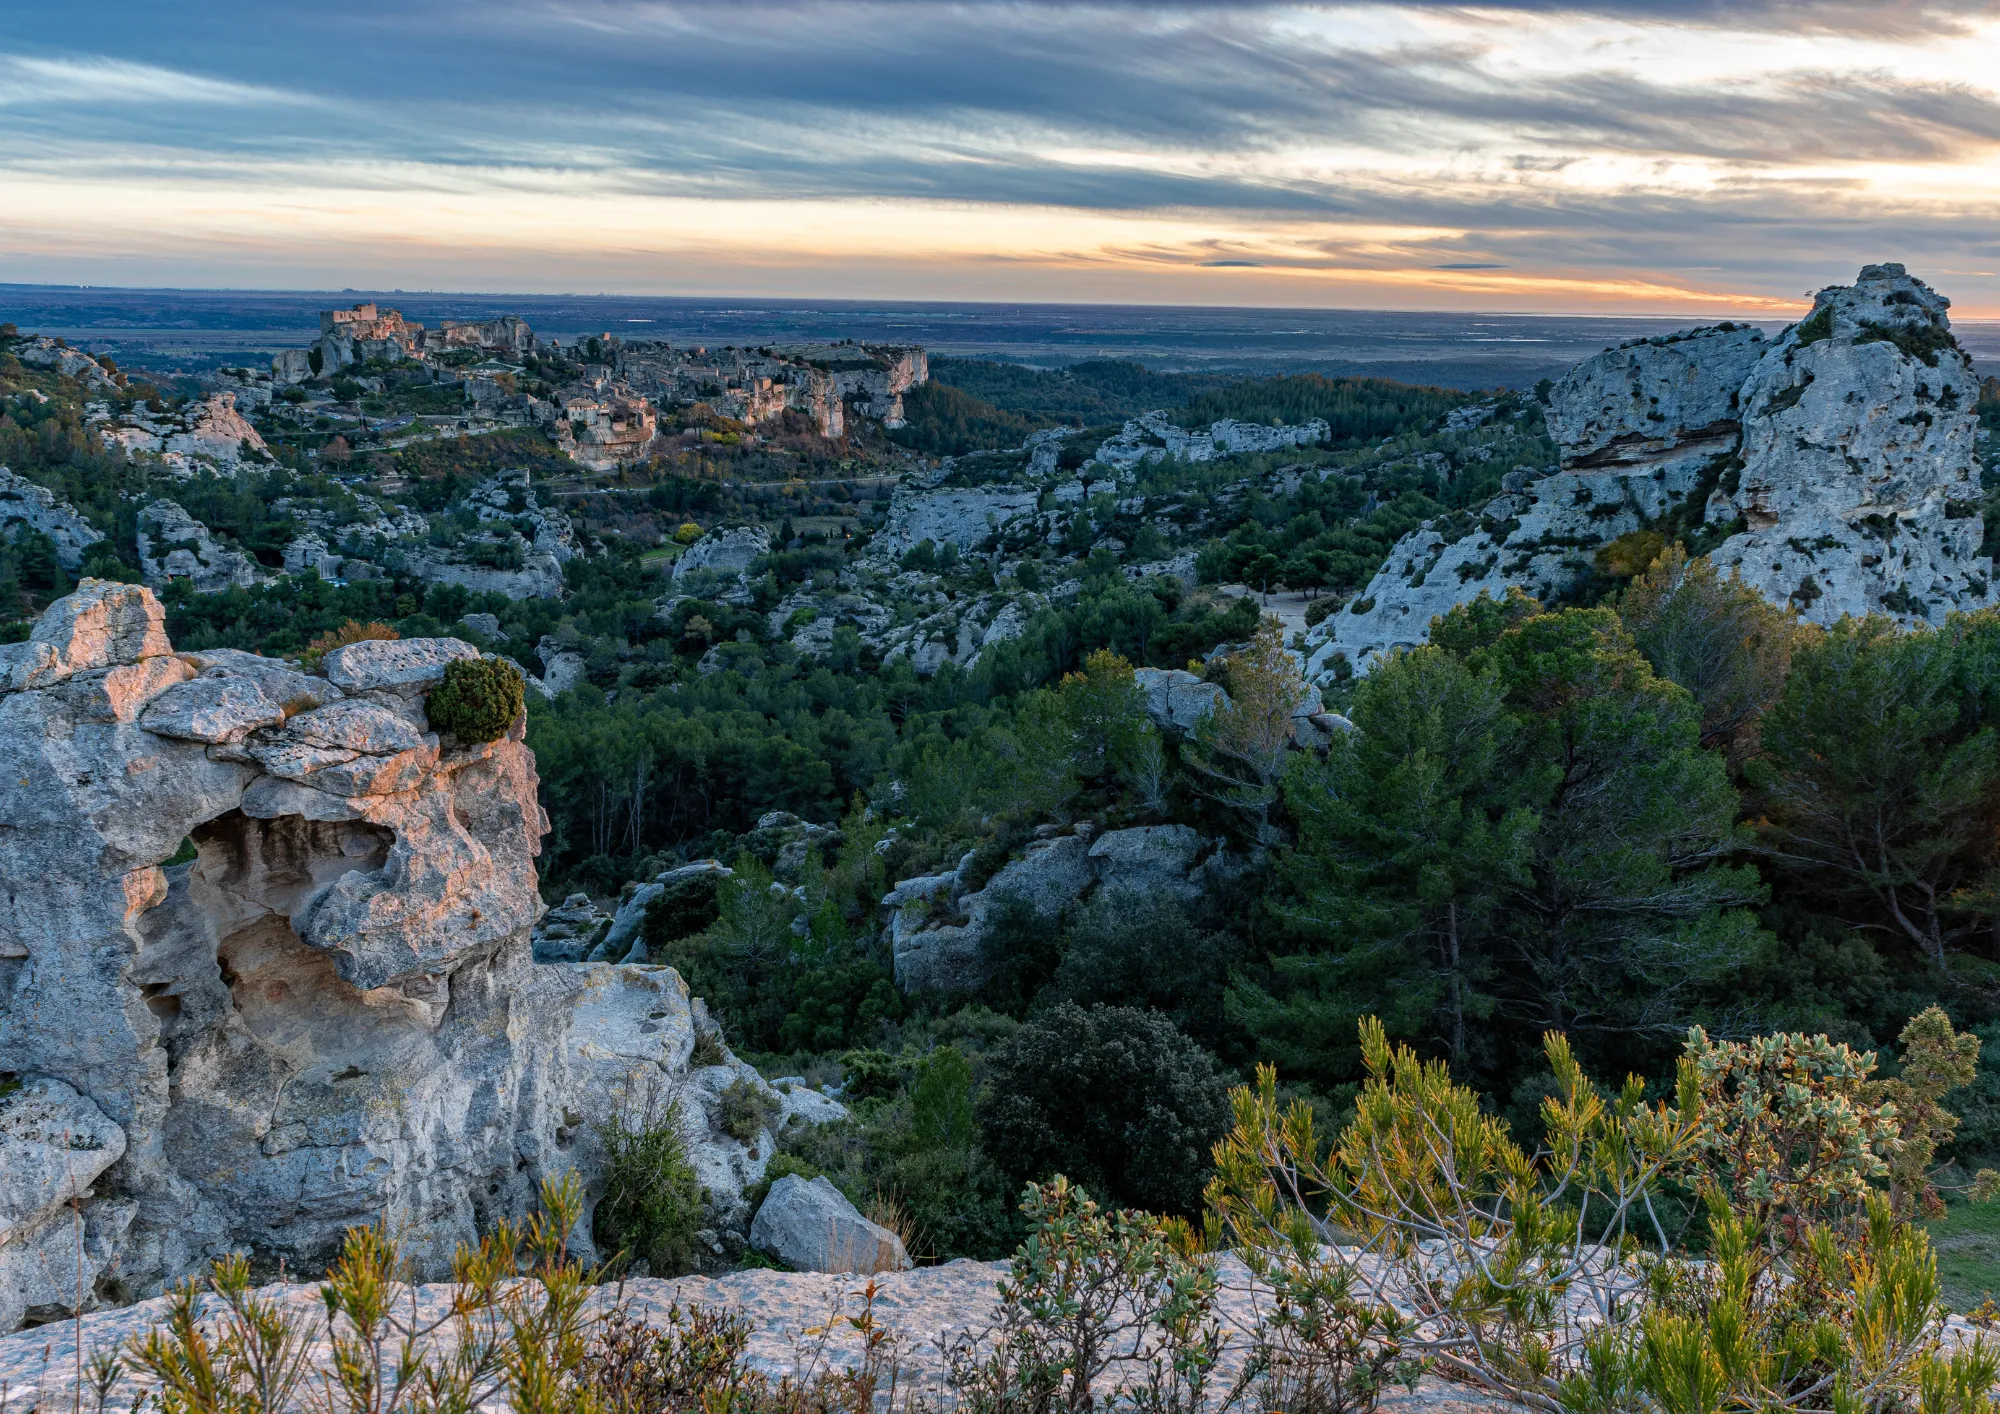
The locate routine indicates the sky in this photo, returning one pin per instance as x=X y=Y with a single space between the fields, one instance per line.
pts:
x=1676 y=157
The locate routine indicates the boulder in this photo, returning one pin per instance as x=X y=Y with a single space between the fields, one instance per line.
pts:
x=811 y=1227
x=570 y=930
x=217 y=709
x=1153 y=860
x=728 y=553
x=938 y=930
x=690 y=888
x=1176 y=699
x=102 y=624
x=485 y=625
x=376 y=663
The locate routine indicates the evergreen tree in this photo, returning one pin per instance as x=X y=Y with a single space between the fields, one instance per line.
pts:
x=1880 y=780
x=1405 y=862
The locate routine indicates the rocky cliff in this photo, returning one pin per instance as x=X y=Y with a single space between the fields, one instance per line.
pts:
x=1835 y=463
x=265 y=970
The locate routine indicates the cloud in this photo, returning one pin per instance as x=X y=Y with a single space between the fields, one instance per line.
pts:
x=1693 y=140
x=28 y=80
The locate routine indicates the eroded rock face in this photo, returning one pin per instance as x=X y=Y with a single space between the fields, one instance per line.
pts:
x=1843 y=451
x=24 y=503
x=727 y=552
x=327 y=1012
x=1632 y=404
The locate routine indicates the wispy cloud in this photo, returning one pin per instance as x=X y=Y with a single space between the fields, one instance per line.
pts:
x=98 y=79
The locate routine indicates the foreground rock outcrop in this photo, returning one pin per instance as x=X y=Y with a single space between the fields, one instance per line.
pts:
x=1836 y=461
x=265 y=971
x=924 y=1310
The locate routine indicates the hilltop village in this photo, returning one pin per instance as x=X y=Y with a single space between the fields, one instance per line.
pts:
x=800 y=795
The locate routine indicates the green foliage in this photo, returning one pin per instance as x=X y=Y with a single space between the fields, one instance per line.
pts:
x=1355 y=409
x=1154 y=954
x=1885 y=736
x=1082 y=1286
x=478 y=699
x=1813 y=1293
x=744 y=1110
x=1720 y=639
x=652 y=1205
x=946 y=421
x=918 y=1150
x=517 y=1331
x=1117 y=1098
x=1922 y=340
x=1817 y=327
x=1523 y=832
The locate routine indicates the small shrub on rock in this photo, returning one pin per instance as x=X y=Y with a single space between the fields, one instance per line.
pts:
x=352 y=631
x=651 y=1207
x=478 y=699
x=745 y=1111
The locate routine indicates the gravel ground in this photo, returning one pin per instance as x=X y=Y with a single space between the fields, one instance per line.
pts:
x=924 y=1308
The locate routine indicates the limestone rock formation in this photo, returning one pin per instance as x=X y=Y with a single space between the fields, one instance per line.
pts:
x=1176 y=699
x=44 y=352
x=274 y=931
x=1859 y=491
x=53 y=1146
x=689 y=888
x=174 y=545
x=23 y=503
x=519 y=550
x=811 y=1227
x=960 y=518
x=1154 y=436
x=570 y=930
x=1844 y=448
x=939 y=928
x=727 y=552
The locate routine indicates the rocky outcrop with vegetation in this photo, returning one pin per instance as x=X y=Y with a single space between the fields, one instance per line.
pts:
x=1832 y=468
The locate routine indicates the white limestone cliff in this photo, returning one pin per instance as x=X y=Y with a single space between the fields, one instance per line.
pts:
x=1859 y=491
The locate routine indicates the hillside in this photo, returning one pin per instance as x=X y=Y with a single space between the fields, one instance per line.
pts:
x=1014 y=794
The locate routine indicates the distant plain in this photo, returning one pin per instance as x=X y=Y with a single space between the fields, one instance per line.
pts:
x=192 y=329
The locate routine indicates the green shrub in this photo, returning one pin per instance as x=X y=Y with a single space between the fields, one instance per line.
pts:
x=652 y=1201
x=746 y=1109
x=1117 y=1099
x=478 y=699
x=1819 y=326
x=870 y=1075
